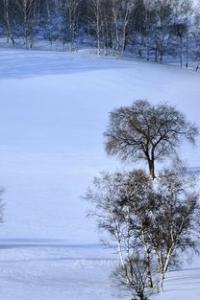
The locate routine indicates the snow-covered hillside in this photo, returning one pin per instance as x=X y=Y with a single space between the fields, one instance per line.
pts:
x=58 y=272
x=40 y=271
x=54 y=109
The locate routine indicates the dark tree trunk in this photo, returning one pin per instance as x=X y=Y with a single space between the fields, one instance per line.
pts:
x=151 y=163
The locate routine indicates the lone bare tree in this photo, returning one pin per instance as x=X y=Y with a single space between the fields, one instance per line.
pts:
x=147 y=132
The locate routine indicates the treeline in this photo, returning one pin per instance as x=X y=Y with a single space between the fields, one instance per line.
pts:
x=150 y=29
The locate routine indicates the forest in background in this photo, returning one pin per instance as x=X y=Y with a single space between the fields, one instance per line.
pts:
x=155 y=30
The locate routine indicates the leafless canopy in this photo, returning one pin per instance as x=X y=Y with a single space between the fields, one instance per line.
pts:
x=151 y=222
x=144 y=131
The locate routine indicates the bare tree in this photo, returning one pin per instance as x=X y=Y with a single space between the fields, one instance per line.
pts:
x=121 y=11
x=175 y=227
x=27 y=9
x=49 y=22
x=137 y=271
x=7 y=8
x=147 y=132
x=157 y=219
x=181 y=15
x=71 y=15
x=122 y=207
x=97 y=20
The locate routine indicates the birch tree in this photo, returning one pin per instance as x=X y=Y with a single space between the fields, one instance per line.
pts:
x=121 y=11
x=176 y=221
x=182 y=11
x=7 y=9
x=97 y=20
x=71 y=16
x=122 y=207
x=28 y=11
x=50 y=20
x=151 y=222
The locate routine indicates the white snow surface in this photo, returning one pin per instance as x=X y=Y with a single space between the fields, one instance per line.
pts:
x=51 y=270
x=54 y=110
x=61 y=272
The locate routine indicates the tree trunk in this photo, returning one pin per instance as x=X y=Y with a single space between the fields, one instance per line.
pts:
x=148 y=51
x=148 y=262
x=163 y=268
x=50 y=35
x=156 y=54
x=123 y=45
x=161 y=282
x=98 y=28
x=181 y=52
x=7 y=20
x=151 y=163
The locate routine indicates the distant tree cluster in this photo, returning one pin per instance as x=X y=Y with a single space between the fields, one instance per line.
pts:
x=152 y=217
x=150 y=29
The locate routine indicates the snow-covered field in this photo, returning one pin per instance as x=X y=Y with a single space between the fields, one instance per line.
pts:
x=54 y=109
x=49 y=271
x=61 y=272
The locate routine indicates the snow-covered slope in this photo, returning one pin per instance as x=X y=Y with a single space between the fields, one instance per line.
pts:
x=61 y=272
x=55 y=272
x=54 y=109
